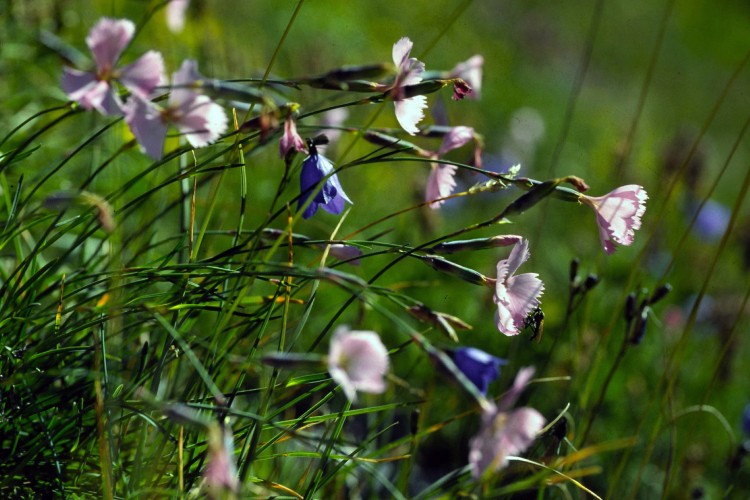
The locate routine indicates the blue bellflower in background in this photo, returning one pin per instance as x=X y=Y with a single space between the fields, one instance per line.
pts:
x=746 y=420
x=478 y=366
x=331 y=196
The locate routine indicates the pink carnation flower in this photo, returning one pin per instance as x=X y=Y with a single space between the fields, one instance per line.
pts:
x=357 y=361
x=618 y=214
x=503 y=431
x=291 y=138
x=175 y=12
x=196 y=116
x=441 y=181
x=95 y=89
x=409 y=111
x=515 y=295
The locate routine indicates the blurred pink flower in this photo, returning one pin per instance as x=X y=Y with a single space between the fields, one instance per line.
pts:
x=357 y=361
x=95 y=89
x=291 y=139
x=503 y=431
x=471 y=72
x=515 y=295
x=220 y=473
x=618 y=214
x=196 y=116
x=175 y=13
x=441 y=181
x=409 y=111
x=349 y=253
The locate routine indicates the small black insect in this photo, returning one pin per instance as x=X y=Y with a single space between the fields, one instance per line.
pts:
x=535 y=321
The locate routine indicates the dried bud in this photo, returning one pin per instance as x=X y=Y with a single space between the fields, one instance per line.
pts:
x=445 y=322
x=577 y=183
x=460 y=89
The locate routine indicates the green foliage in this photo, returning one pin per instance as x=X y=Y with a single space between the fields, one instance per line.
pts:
x=139 y=298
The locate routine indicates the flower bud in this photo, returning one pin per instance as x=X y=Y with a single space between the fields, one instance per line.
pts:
x=448 y=247
x=448 y=267
x=660 y=293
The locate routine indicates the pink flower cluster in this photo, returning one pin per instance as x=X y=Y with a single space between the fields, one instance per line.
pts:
x=197 y=117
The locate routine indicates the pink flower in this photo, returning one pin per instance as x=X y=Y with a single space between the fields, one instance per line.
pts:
x=409 y=111
x=441 y=181
x=95 y=89
x=471 y=71
x=515 y=295
x=220 y=473
x=196 y=116
x=291 y=139
x=504 y=432
x=357 y=361
x=175 y=13
x=618 y=214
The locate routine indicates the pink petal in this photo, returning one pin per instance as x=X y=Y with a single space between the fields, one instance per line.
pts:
x=401 y=51
x=518 y=256
x=291 y=139
x=203 y=123
x=346 y=252
x=502 y=434
x=410 y=111
x=523 y=293
x=455 y=138
x=91 y=93
x=144 y=75
x=107 y=39
x=358 y=361
x=618 y=214
x=175 y=13
x=440 y=183
x=146 y=124
x=523 y=377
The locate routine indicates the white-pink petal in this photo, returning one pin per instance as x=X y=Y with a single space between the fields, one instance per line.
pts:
x=144 y=75
x=401 y=51
x=440 y=183
x=455 y=138
x=357 y=361
x=107 y=39
x=147 y=125
x=515 y=295
x=202 y=121
x=410 y=111
x=618 y=214
x=175 y=13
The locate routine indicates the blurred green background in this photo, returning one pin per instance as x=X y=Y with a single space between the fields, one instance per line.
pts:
x=616 y=92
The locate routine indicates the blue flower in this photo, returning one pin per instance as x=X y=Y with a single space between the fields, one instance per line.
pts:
x=331 y=196
x=478 y=366
x=746 y=420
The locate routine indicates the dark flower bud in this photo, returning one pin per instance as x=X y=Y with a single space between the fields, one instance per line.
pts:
x=591 y=281
x=630 y=307
x=640 y=327
x=574 y=269
x=660 y=293
x=527 y=200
